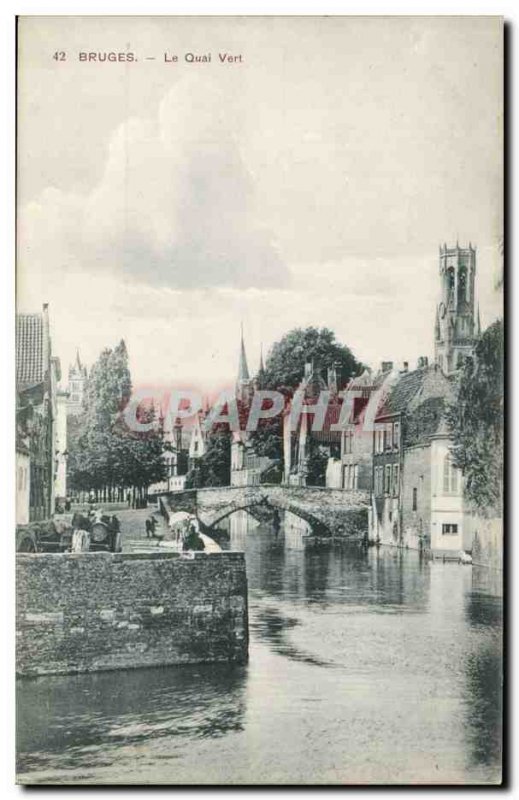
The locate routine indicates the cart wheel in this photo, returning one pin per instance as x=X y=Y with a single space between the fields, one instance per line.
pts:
x=27 y=544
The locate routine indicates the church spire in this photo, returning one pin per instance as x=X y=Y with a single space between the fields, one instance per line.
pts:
x=243 y=370
x=261 y=364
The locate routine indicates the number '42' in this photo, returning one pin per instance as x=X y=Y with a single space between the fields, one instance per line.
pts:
x=59 y=55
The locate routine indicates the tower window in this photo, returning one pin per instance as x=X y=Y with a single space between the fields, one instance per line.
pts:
x=450 y=278
x=462 y=286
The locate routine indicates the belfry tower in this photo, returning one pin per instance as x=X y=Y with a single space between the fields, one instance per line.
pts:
x=456 y=326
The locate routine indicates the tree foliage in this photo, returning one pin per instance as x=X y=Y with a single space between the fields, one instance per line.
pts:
x=103 y=451
x=286 y=360
x=214 y=467
x=476 y=421
x=284 y=370
x=317 y=460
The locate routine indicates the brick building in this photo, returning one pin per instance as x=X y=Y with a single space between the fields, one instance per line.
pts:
x=417 y=492
x=353 y=469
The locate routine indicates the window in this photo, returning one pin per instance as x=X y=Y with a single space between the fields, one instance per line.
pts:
x=415 y=498
x=379 y=439
x=387 y=481
x=396 y=472
x=450 y=477
x=388 y=435
x=396 y=435
x=380 y=480
x=348 y=441
x=449 y=529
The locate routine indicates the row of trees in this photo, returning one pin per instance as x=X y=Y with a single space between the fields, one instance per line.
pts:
x=105 y=456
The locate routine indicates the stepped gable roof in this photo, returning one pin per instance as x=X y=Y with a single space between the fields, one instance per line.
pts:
x=30 y=366
x=367 y=383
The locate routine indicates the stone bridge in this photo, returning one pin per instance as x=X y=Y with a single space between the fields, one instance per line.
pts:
x=328 y=511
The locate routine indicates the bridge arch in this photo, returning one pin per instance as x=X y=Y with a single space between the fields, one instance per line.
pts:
x=271 y=503
x=328 y=511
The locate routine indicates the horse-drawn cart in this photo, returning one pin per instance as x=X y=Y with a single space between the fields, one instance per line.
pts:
x=71 y=533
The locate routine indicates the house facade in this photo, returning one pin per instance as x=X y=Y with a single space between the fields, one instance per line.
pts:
x=417 y=492
x=353 y=468
x=37 y=376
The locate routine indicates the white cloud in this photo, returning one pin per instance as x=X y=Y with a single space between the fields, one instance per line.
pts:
x=175 y=206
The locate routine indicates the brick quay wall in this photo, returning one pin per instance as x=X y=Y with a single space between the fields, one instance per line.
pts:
x=98 y=611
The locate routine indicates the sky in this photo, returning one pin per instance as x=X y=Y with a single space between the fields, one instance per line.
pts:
x=309 y=181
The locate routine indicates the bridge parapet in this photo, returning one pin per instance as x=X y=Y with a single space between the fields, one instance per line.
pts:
x=329 y=511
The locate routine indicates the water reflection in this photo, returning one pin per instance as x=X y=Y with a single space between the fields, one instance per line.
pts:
x=367 y=666
x=83 y=719
x=484 y=671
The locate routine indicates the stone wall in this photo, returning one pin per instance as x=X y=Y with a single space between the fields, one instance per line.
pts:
x=96 y=611
x=483 y=536
x=416 y=474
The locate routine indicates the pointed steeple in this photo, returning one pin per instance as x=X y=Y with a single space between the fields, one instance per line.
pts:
x=261 y=364
x=243 y=370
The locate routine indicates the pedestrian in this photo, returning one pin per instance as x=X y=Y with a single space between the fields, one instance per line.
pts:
x=151 y=524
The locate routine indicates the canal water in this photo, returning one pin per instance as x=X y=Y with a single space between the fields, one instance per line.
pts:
x=365 y=667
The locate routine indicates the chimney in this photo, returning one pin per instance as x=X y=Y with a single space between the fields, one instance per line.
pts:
x=405 y=367
x=422 y=362
x=386 y=366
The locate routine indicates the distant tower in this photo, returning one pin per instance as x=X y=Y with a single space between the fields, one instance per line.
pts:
x=77 y=377
x=259 y=379
x=456 y=325
x=244 y=384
